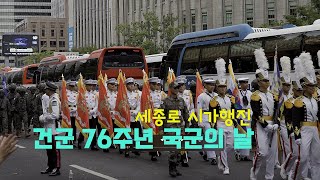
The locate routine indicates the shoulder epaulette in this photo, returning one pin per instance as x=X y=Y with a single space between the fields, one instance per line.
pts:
x=255 y=96
x=275 y=97
x=213 y=102
x=298 y=102
x=288 y=103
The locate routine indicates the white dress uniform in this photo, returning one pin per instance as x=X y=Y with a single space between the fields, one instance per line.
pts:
x=134 y=102
x=92 y=103
x=203 y=101
x=247 y=94
x=187 y=97
x=45 y=103
x=156 y=98
x=285 y=143
x=52 y=114
x=224 y=103
x=72 y=101
x=112 y=98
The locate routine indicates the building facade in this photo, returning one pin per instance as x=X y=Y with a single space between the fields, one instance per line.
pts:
x=96 y=20
x=13 y=12
x=52 y=32
x=59 y=8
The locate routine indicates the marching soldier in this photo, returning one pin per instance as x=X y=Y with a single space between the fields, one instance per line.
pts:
x=134 y=103
x=173 y=102
x=286 y=86
x=137 y=87
x=51 y=120
x=288 y=167
x=305 y=118
x=203 y=104
x=92 y=105
x=223 y=102
x=12 y=110
x=31 y=98
x=20 y=103
x=245 y=95
x=159 y=88
x=264 y=105
x=4 y=107
x=157 y=99
x=186 y=95
x=38 y=106
x=111 y=99
x=72 y=102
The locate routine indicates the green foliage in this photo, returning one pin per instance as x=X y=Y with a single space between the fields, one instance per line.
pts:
x=36 y=58
x=84 y=50
x=273 y=24
x=145 y=34
x=305 y=15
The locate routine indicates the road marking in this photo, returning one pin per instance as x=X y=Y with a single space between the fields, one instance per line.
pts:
x=92 y=172
x=21 y=147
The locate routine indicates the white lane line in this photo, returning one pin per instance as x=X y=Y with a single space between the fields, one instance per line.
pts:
x=92 y=172
x=21 y=147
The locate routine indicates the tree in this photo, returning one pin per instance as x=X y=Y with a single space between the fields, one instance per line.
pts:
x=85 y=50
x=145 y=34
x=305 y=15
x=36 y=58
x=273 y=24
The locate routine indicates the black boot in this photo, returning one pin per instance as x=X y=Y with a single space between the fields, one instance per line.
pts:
x=153 y=158
x=172 y=167
x=47 y=171
x=55 y=172
x=177 y=172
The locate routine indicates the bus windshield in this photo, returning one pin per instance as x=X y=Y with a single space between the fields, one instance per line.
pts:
x=116 y=58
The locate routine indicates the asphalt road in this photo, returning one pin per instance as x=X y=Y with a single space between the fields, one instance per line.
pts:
x=26 y=163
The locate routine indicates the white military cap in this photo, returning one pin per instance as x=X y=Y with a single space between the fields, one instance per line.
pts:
x=154 y=80
x=130 y=80
x=243 y=80
x=209 y=80
x=112 y=81
x=89 y=82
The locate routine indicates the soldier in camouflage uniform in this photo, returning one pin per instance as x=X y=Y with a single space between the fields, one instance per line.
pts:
x=4 y=106
x=173 y=102
x=20 y=103
x=38 y=106
x=31 y=98
x=11 y=111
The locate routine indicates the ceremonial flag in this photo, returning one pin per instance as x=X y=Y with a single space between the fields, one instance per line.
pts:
x=105 y=77
x=104 y=116
x=276 y=87
x=171 y=77
x=199 y=87
x=233 y=87
x=65 y=111
x=82 y=120
x=146 y=104
x=122 y=109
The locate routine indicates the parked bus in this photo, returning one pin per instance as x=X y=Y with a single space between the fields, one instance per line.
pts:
x=25 y=75
x=199 y=50
x=108 y=61
x=154 y=63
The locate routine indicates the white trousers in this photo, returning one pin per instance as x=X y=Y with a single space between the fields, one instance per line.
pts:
x=245 y=152
x=210 y=154
x=291 y=162
x=285 y=143
x=264 y=152
x=228 y=142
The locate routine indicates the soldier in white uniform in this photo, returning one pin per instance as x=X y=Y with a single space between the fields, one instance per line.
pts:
x=223 y=102
x=72 y=102
x=305 y=118
x=157 y=99
x=203 y=104
x=159 y=88
x=245 y=96
x=264 y=105
x=92 y=105
x=111 y=99
x=51 y=120
x=137 y=87
x=134 y=103
x=286 y=86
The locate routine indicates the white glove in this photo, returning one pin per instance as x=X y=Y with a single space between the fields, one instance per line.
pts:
x=41 y=118
x=275 y=127
x=269 y=128
x=292 y=134
x=92 y=112
x=298 y=141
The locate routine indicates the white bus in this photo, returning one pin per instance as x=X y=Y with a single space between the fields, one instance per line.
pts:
x=154 y=62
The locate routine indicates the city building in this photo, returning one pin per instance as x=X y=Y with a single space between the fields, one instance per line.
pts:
x=13 y=12
x=95 y=21
x=52 y=32
x=59 y=8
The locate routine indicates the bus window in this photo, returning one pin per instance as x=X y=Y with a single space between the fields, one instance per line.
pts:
x=58 y=72
x=44 y=73
x=79 y=68
x=190 y=61
x=208 y=56
x=51 y=75
x=90 y=70
x=69 y=70
x=127 y=58
x=17 y=77
x=283 y=44
x=312 y=45
x=30 y=72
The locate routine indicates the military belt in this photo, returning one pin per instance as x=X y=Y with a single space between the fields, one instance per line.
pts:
x=307 y=123
x=267 y=118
